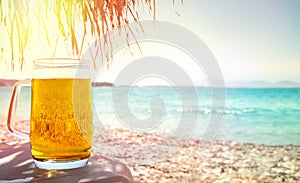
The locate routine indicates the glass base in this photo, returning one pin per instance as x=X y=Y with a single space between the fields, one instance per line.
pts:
x=56 y=165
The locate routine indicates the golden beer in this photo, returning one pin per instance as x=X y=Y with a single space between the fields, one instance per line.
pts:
x=61 y=119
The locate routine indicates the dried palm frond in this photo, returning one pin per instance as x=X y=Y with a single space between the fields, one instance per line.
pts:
x=23 y=22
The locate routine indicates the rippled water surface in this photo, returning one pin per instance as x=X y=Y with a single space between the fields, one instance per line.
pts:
x=265 y=116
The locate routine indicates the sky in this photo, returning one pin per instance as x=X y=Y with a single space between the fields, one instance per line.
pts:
x=251 y=40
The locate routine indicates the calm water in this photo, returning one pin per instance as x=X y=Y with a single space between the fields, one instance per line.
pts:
x=264 y=116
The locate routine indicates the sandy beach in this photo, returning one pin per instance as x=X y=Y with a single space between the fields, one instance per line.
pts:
x=159 y=158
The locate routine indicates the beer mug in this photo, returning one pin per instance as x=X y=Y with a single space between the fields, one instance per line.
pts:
x=61 y=113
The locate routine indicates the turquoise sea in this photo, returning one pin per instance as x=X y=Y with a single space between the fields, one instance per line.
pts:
x=256 y=115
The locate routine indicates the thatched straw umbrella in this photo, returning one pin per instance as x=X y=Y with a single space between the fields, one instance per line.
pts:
x=29 y=26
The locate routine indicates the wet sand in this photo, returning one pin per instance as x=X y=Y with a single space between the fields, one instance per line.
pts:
x=160 y=158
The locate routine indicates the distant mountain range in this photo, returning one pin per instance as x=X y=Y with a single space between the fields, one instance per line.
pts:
x=262 y=84
x=7 y=82
x=11 y=82
x=233 y=84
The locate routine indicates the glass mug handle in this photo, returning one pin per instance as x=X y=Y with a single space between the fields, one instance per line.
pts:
x=12 y=109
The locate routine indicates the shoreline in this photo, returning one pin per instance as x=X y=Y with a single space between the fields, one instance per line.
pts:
x=159 y=158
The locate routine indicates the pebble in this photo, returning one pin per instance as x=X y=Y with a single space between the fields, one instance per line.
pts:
x=288 y=165
x=226 y=155
x=286 y=158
